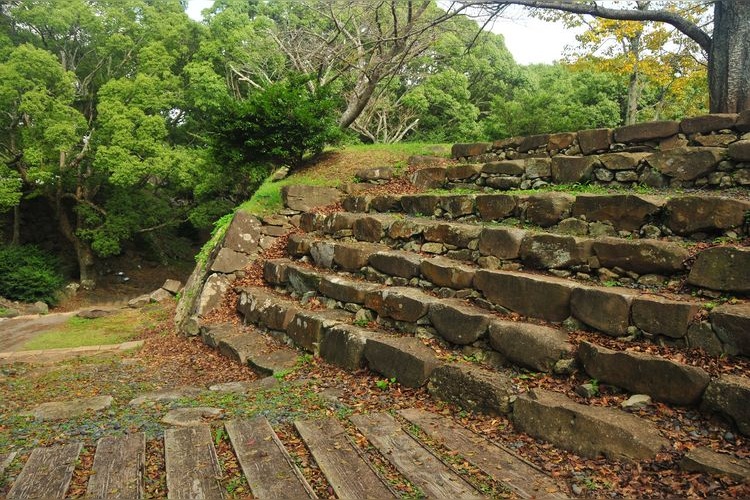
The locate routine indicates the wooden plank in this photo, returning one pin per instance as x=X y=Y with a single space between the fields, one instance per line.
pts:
x=348 y=474
x=118 y=467
x=522 y=477
x=5 y=461
x=267 y=465
x=412 y=460
x=193 y=470
x=47 y=473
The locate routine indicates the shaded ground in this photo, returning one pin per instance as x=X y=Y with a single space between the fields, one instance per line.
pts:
x=15 y=332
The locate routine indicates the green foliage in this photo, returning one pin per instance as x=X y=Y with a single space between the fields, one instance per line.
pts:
x=385 y=383
x=28 y=274
x=218 y=232
x=283 y=123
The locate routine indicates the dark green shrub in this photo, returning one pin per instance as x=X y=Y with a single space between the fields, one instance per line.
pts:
x=29 y=274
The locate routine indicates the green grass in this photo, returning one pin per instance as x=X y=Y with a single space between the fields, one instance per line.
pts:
x=79 y=332
x=407 y=148
x=267 y=199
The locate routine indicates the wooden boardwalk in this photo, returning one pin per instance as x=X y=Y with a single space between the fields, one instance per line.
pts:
x=193 y=470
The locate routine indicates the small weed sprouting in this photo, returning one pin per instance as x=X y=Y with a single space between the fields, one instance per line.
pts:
x=611 y=283
x=385 y=383
x=219 y=435
x=362 y=322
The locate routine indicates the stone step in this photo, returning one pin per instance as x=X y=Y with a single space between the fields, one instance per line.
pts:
x=613 y=311
x=193 y=469
x=418 y=465
x=523 y=478
x=47 y=473
x=119 y=466
x=647 y=261
x=695 y=216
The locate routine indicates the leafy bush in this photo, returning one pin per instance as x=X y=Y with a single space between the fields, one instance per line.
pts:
x=29 y=274
x=282 y=123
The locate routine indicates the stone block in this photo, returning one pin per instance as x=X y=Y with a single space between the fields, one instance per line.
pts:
x=276 y=271
x=450 y=233
x=344 y=346
x=505 y=167
x=743 y=121
x=595 y=140
x=457 y=322
x=501 y=242
x=726 y=269
x=305 y=198
x=457 y=205
x=496 y=206
x=531 y=346
x=622 y=161
x=243 y=233
x=708 y=123
x=472 y=388
x=589 y=431
x=385 y=203
x=303 y=280
x=626 y=212
x=554 y=251
x=353 y=256
x=473 y=149
x=306 y=328
x=397 y=263
x=731 y=322
x=372 y=228
x=322 y=253
x=420 y=204
x=428 y=178
x=686 y=164
x=740 y=150
x=406 y=229
x=707 y=461
x=572 y=169
x=338 y=221
x=560 y=141
x=462 y=172
x=298 y=245
x=532 y=142
x=399 y=303
x=531 y=295
x=374 y=174
x=344 y=290
x=728 y=395
x=640 y=373
x=690 y=214
x=546 y=209
x=641 y=132
x=228 y=261
x=212 y=294
x=605 y=309
x=660 y=316
x=447 y=272
x=641 y=256
x=406 y=359
x=538 y=168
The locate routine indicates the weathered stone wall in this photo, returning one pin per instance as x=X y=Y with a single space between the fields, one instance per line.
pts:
x=705 y=151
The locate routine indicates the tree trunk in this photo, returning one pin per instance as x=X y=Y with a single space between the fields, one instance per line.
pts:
x=84 y=253
x=729 y=60
x=362 y=94
x=16 y=239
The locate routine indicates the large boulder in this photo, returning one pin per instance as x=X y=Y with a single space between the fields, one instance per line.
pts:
x=305 y=198
x=534 y=296
x=307 y=327
x=496 y=206
x=605 y=309
x=687 y=164
x=729 y=396
x=572 y=169
x=243 y=233
x=344 y=346
x=740 y=150
x=731 y=323
x=626 y=212
x=594 y=140
x=420 y=204
x=641 y=256
x=546 y=209
x=528 y=345
x=726 y=269
x=458 y=322
x=690 y=214
x=472 y=388
x=589 y=431
x=406 y=359
x=639 y=373
x=428 y=178
x=501 y=242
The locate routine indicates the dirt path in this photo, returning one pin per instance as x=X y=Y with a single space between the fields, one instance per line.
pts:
x=15 y=332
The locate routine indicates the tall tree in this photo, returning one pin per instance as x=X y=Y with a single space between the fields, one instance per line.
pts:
x=727 y=48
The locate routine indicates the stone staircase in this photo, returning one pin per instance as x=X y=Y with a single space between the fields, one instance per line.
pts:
x=193 y=469
x=550 y=307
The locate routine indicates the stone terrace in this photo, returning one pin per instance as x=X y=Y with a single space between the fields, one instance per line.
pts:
x=473 y=295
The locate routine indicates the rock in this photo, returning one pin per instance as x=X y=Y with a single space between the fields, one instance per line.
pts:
x=172 y=286
x=243 y=233
x=686 y=164
x=347 y=291
x=707 y=123
x=462 y=172
x=594 y=140
x=728 y=395
x=458 y=235
x=561 y=140
x=532 y=346
x=303 y=280
x=371 y=228
x=213 y=292
x=95 y=313
x=707 y=461
x=457 y=205
x=726 y=269
x=374 y=174
x=165 y=395
x=447 y=272
x=399 y=303
x=636 y=402
x=641 y=132
x=553 y=251
x=397 y=263
x=406 y=229
x=587 y=391
x=344 y=346
x=503 y=183
x=246 y=386
x=546 y=209
x=501 y=242
x=636 y=372
x=572 y=169
x=531 y=295
x=702 y=336
x=506 y=167
x=458 y=322
x=622 y=161
x=259 y=307
x=624 y=211
x=228 y=261
x=160 y=295
x=601 y=229
x=473 y=149
x=472 y=388
x=9 y=312
x=731 y=322
x=531 y=142
x=429 y=178
x=406 y=359
x=420 y=204
x=64 y=410
x=690 y=214
x=573 y=227
x=276 y=271
x=496 y=206
x=354 y=256
x=306 y=328
x=189 y=417
x=305 y=198
x=39 y=307
x=586 y=430
x=538 y=167
x=641 y=256
x=661 y=316
x=605 y=309
x=740 y=150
